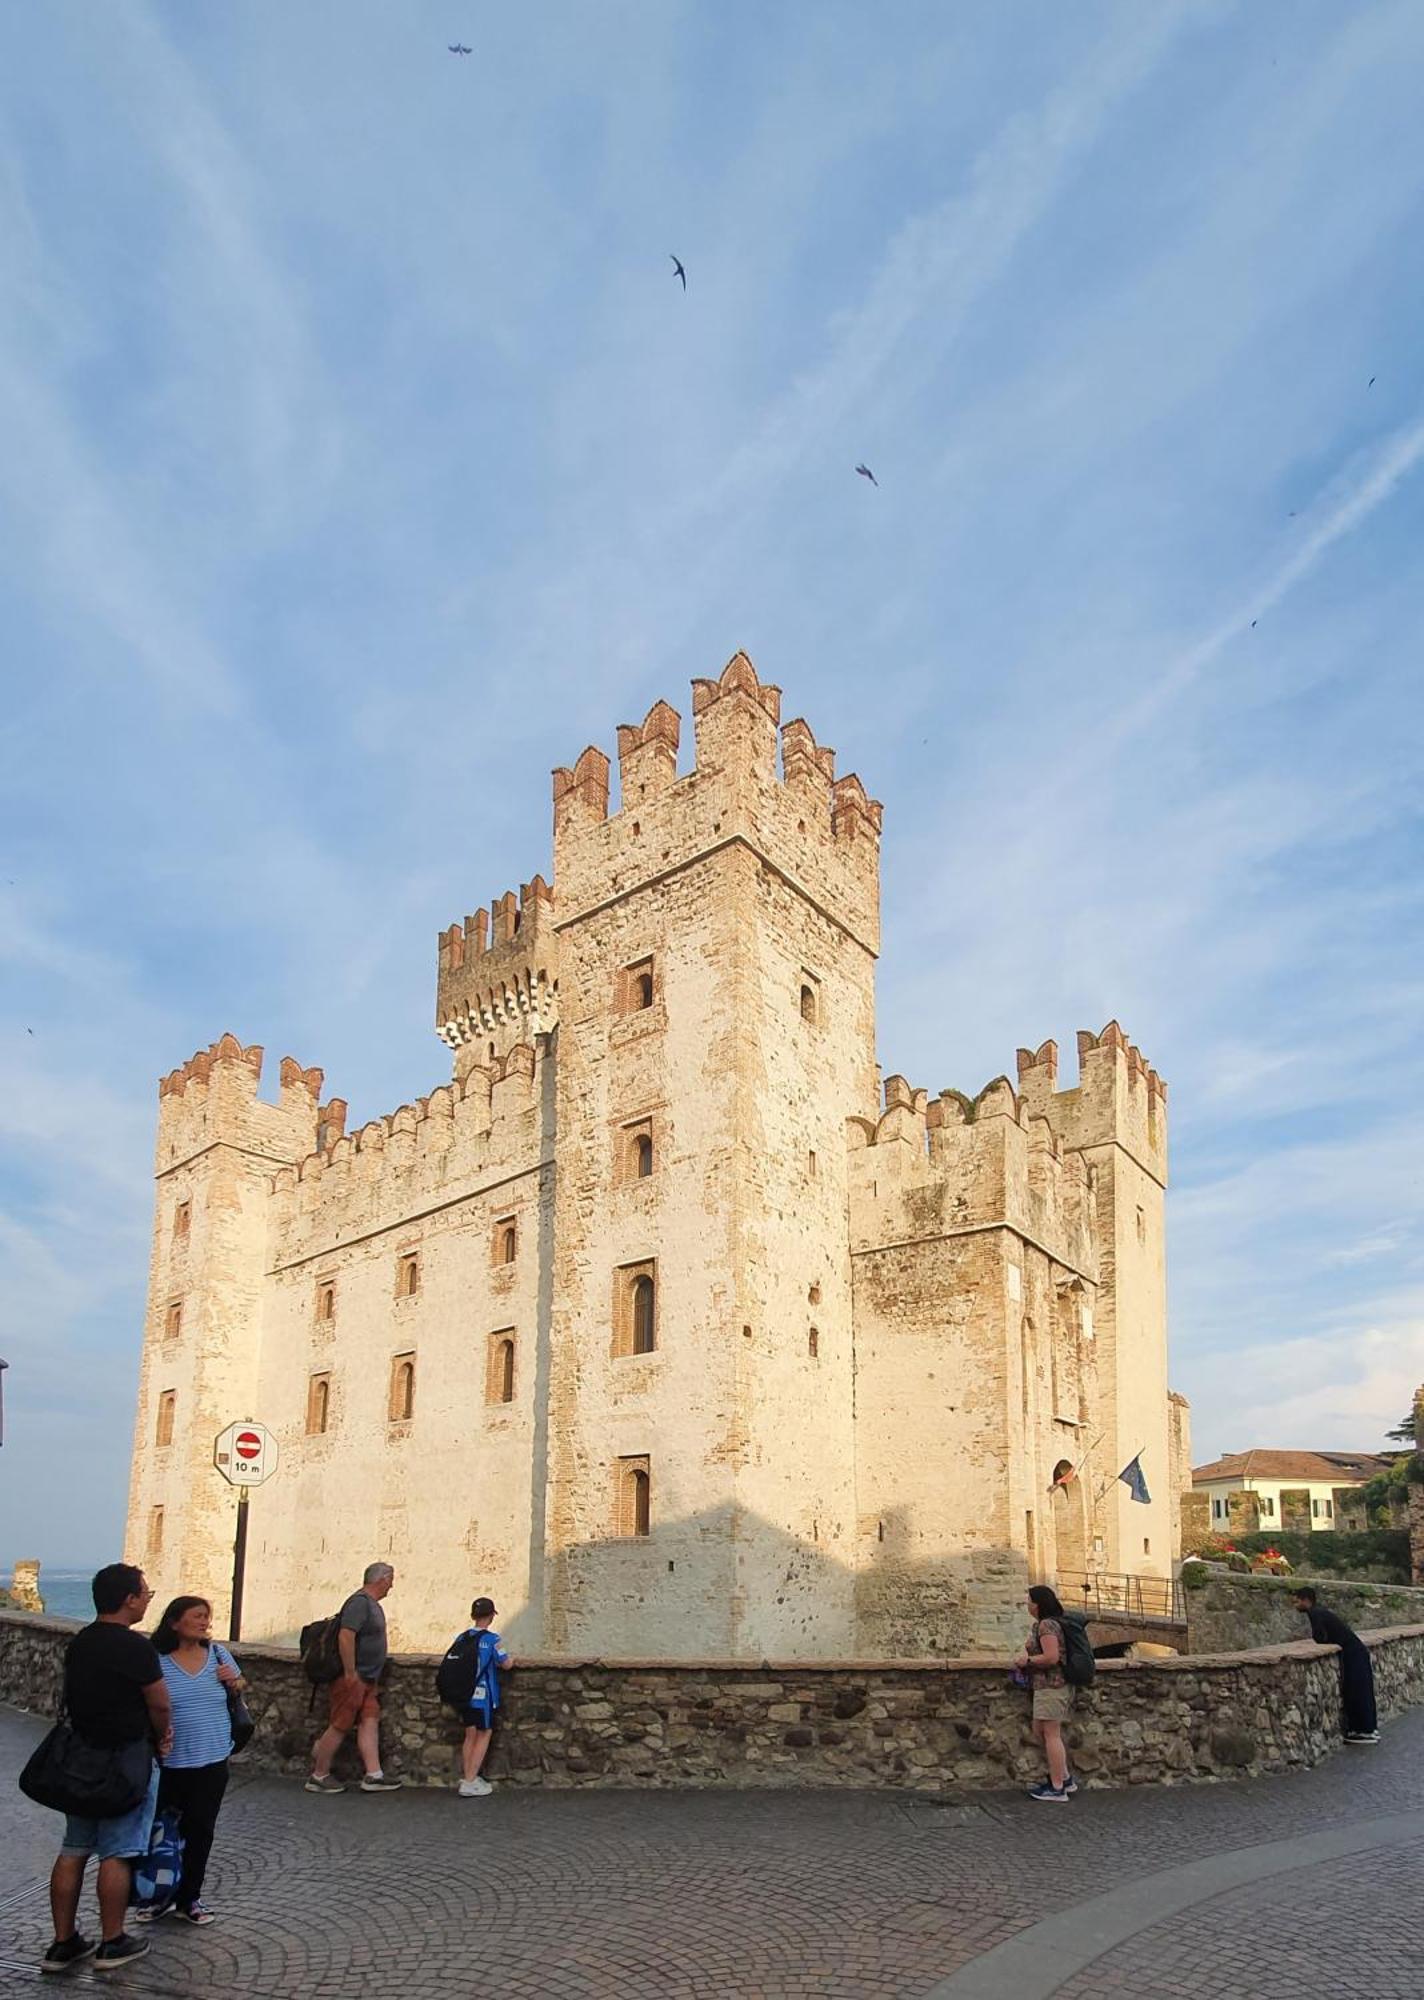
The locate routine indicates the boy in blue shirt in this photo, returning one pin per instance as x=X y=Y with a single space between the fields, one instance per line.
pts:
x=491 y=1661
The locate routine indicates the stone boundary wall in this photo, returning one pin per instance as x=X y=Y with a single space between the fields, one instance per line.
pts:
x=926 y=1726
x=1231 y=1612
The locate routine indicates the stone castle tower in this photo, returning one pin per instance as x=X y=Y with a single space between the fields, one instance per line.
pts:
x=660 y=1323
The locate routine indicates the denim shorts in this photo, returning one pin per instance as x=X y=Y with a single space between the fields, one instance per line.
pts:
x=113 y=1839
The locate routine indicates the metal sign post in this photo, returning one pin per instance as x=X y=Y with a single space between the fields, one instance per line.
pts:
x=245 y=1454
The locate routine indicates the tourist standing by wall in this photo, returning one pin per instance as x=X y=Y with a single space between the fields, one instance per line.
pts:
x=198 y=1674
x=1042 y=1659
x=114 y=1695
x=355 y=1697
x=1357 y=1674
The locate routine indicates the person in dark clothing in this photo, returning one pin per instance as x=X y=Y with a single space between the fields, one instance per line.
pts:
x=1357 y=1674
x=114 y=1694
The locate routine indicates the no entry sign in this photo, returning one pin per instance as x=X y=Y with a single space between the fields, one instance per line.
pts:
x=245 y=1454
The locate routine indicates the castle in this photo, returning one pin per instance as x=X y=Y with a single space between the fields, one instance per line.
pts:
x=661 y=1323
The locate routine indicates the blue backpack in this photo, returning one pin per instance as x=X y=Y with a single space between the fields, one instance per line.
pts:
x=155 y=1874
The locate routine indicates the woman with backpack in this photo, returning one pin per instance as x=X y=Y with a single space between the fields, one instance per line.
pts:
x=1044 y=1659
x=198 y=1674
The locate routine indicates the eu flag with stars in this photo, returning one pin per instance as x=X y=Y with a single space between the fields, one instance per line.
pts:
x=1131 y=1477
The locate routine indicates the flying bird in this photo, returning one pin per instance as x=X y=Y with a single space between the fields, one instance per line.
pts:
x=1371 y=383
x=677 y=267
x=866 y=473
x=459 y=49
x=1253 y=624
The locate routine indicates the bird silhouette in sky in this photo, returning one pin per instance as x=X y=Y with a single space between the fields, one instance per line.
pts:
x=1253 y=624
x=459 y=49
x=677 y=267
x=1371 y=383
x=866 y=473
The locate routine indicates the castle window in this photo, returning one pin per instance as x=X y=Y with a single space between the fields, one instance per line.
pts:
x=326 y=1300
x=499 y=1369
x=639 y=986
x=182 y=1220
x=318 y=1404
x=813 y=1344
x=1141 y=1227
x=167 y=1406
x=402 y=1402
x=407 y=1274
x=506 y=1240
x=635 y=1309
x=810 y=1009
x=813 y=1293
x=811 y=1165
x=155 y=1533
x=642 y=1155
x=635 y=1496
x=1146 y=1545
x=173 y=1319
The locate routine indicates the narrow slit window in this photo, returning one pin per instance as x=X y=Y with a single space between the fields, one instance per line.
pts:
x=167 y=1409
x=155 y=1533
x=402 y=1404
x=499 y=1377
x=639 y=986
x=173 y=1319
x=326 y=1300
x=407 y=1274
x=635 y=1496
x=813 y=1344
x=318 y=1404
x=506 y=1240
x=808 y=1002
x=643 y=1156
x=644 y=1304
x=182 y=1219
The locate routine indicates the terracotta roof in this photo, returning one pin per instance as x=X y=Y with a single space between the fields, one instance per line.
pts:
x=1331 y=1468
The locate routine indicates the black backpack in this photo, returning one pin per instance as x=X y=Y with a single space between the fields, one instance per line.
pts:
x=1079 y=1665
x=458 y=1674
x=320 y=1648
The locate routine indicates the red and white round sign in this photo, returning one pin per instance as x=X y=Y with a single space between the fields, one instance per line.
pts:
x=245 y=1454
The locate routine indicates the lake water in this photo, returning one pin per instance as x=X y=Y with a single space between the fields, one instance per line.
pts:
x=66 y=1593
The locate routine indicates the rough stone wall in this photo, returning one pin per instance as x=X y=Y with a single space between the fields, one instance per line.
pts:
x=218 y=1145
x=1416 y=1497
x=732 y=888
x=837 y=1463
x=921 y=1726
x=1179 y=1462
x=1230 y=1613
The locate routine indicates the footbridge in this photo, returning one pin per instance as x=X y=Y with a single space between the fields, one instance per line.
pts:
x=1122 y=1609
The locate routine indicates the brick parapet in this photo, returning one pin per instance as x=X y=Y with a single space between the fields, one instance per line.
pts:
x=924 y=1725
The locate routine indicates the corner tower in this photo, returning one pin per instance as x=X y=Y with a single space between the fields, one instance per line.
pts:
x=717 y=937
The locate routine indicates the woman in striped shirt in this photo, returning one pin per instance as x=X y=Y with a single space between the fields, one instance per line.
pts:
x=197 y=1673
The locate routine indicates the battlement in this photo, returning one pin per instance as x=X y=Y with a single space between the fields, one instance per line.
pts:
x=821 y=830
x=213 y=1097
x=484 y=1125
x=959 y=1162
x=1119 y=1098
x=498 y=971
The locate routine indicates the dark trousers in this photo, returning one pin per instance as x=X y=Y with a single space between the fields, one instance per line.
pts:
x=1357 y=1689
x=197 y=1796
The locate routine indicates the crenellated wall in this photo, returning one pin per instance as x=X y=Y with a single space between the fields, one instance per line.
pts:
x=901 y=1348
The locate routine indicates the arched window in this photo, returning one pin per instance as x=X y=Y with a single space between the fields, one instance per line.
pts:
x=808 y=1003
x=408 y=1275
x=643 y=989
x=167 y=1408
x=326 y=1301
x=644 y=1306
x=506 y=1371
x=402 y=1407
x=318 y=1404
x=508 y=1243
x=641 y=1501
x=643 y=1155
x=813 y=1344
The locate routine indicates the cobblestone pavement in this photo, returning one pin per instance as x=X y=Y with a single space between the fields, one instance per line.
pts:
x=777 y=1896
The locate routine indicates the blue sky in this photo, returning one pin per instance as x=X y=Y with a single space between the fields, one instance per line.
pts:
x=364 y=459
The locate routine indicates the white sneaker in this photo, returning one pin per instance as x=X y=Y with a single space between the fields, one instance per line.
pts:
x=475 y=1788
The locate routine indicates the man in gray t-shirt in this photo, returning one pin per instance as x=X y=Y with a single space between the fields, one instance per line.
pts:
x=355 y=1696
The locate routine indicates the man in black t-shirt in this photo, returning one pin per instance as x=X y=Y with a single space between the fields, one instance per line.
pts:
x=114 y=1693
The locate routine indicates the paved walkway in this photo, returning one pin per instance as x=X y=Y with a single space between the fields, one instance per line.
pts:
x=1283 y=1889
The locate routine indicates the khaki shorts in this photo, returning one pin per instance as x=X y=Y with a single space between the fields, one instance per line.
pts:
x=1053 y=1704
x=350 y=1705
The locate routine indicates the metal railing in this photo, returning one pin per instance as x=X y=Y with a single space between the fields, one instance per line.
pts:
x=1120 y=1597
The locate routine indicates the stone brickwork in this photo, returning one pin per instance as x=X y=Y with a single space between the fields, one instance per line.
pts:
x=920 y=1725
x=896 y=1350
x=1231 y=1613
